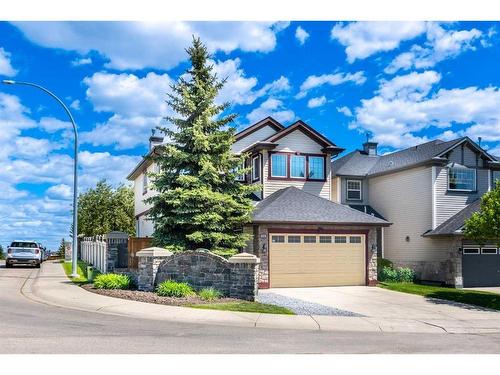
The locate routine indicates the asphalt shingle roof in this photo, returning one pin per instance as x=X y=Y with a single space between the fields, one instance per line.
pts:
x=292 y=205
x=456 y=222
x=358 y=163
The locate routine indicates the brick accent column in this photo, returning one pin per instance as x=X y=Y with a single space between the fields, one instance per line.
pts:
x=244 y=283
x=149 y=260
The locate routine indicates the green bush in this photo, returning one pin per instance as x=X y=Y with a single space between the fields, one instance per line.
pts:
x=382 y=262
x=171 y=288
x=388 y=274
x=209 y=294
x=405 y=275
x=112 y=281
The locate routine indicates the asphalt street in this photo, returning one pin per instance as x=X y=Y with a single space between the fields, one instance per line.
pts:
x=27 y=326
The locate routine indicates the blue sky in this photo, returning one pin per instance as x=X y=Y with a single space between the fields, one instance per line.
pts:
x=406 y=83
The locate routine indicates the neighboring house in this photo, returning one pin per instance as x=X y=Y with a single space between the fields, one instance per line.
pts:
x=427 y=192
x=301 y=237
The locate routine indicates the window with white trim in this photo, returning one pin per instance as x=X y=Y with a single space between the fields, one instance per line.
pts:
x=355 y=239
x=256 y=168
x=278 y=165
x=145 y=182
x=354 y=190
x=278 y=239
x=471 y=250
x=309 y=239
x=325 y=239
x=240 y=177
x=316 y=168
x=297 y=166
x=340 y=239
x=461 y=179
x=293 y=239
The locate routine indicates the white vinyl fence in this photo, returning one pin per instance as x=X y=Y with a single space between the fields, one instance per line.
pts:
x=94 y=251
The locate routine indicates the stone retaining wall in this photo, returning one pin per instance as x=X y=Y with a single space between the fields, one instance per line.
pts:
x=236 y=277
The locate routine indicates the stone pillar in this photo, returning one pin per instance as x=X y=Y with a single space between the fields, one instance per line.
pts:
x=372 y=257
x=263 y=253
x=113 y=241
x=244 y=283
x=149 y=260
x=454 y=267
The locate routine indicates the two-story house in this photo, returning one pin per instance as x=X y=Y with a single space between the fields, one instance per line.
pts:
x=301 y=236
x=427 y=192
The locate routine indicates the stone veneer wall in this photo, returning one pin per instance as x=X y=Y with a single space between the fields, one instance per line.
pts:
x=260 y=246
x=236 y=277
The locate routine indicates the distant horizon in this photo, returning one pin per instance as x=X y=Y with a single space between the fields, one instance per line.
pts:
x=406 y=83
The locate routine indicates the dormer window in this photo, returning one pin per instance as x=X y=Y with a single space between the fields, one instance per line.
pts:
x=461 y=179
x=354 y=190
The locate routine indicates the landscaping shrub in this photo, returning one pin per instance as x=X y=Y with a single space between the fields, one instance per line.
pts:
x=388 y=274
x=111 y=281
x=405 y=275
x=209 y=294
x=382 y=262
x=171 y=288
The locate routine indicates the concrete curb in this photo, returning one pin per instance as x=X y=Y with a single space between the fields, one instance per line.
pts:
x=50 y=286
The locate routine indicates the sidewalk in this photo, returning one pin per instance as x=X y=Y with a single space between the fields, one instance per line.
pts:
x=50 y=285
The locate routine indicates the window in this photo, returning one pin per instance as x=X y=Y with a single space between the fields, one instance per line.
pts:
x=355 y=239
x=256 y=168
x=309 y=239
x=325 y=239
x=471 y=250
x=462 y=179
x=157 y=168
x=298 y=166
x=278 y=165
x=496 y=178
x=278 y=239
x=240 y=177
x=354 y=190
x=144 y=183
x=488 y=250
x=316 y=168
x=340 y=239
x=293 y=239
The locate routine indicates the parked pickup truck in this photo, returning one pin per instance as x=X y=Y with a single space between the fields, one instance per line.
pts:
x=24 y=252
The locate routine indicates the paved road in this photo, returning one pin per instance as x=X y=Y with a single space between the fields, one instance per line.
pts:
x=31 y=327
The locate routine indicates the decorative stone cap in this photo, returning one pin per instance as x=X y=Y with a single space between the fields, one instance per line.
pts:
x=244 y=258
x=153 y=252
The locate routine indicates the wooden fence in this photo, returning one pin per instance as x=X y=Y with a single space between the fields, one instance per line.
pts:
x=136 y=244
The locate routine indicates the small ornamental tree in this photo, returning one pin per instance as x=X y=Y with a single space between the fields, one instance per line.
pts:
x=61 y=249
x=485 y=224
x=199 y=202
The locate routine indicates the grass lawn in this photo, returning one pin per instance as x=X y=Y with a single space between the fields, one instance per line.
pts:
x=471 y=297
x=256 y=307
x=82 y=272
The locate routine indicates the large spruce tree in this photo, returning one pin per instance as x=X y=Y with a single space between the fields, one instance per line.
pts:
x=199 y=202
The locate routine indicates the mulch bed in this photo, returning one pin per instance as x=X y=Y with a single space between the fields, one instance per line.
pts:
x=150 y=297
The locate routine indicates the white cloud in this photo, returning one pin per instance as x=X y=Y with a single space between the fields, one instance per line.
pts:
x=363 y=39
x=6 y=68
x=81 y=61
x=137 y=45
x=441 y=44
x=301 y=35
x=271 y=107
x=345 y=111
x=316 y=102
x=75 y=104
x=406 y=105
x=62 y=191
x=336 y=79
x=52 y=125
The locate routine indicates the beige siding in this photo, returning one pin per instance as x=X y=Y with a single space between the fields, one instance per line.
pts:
x=313 y=187
x=139 y=205
x=469 y=156
x=144 y=227
x=405 y=199
x=335 y=192
x=297 y=141
x=256 y=136
x=365 y=191
x=449 y=203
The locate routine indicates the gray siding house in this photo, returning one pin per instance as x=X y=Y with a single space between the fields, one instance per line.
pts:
x=427 y=192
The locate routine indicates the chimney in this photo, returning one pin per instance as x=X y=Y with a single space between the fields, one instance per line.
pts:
x=154 y=140
x=370 y=148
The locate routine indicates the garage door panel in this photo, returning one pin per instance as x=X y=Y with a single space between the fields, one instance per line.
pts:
x=317 y=264
x=480 y=270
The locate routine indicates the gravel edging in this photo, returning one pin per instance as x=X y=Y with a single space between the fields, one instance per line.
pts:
x=151 y=297
x=301 y=307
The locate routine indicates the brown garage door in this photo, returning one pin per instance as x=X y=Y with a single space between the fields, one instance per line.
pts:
x=303 y=260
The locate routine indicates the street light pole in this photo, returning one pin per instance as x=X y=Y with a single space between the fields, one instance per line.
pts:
x=74 y=272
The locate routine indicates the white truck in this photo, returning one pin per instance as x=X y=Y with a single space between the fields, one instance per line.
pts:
x=24 y=253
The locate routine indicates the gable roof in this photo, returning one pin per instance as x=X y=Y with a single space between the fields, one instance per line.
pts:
x=308 y=131
x=292 y=205
x=268 y=121
x=358 y=163
x=453 y=225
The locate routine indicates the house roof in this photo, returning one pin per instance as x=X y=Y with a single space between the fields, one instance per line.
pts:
x=456 y=222
x=359 y=163
x=292 y=205
x=144 y=163
x=367 y=209
x=268 y=121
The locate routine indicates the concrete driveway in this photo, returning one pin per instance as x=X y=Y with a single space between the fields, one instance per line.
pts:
x=374 y=302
